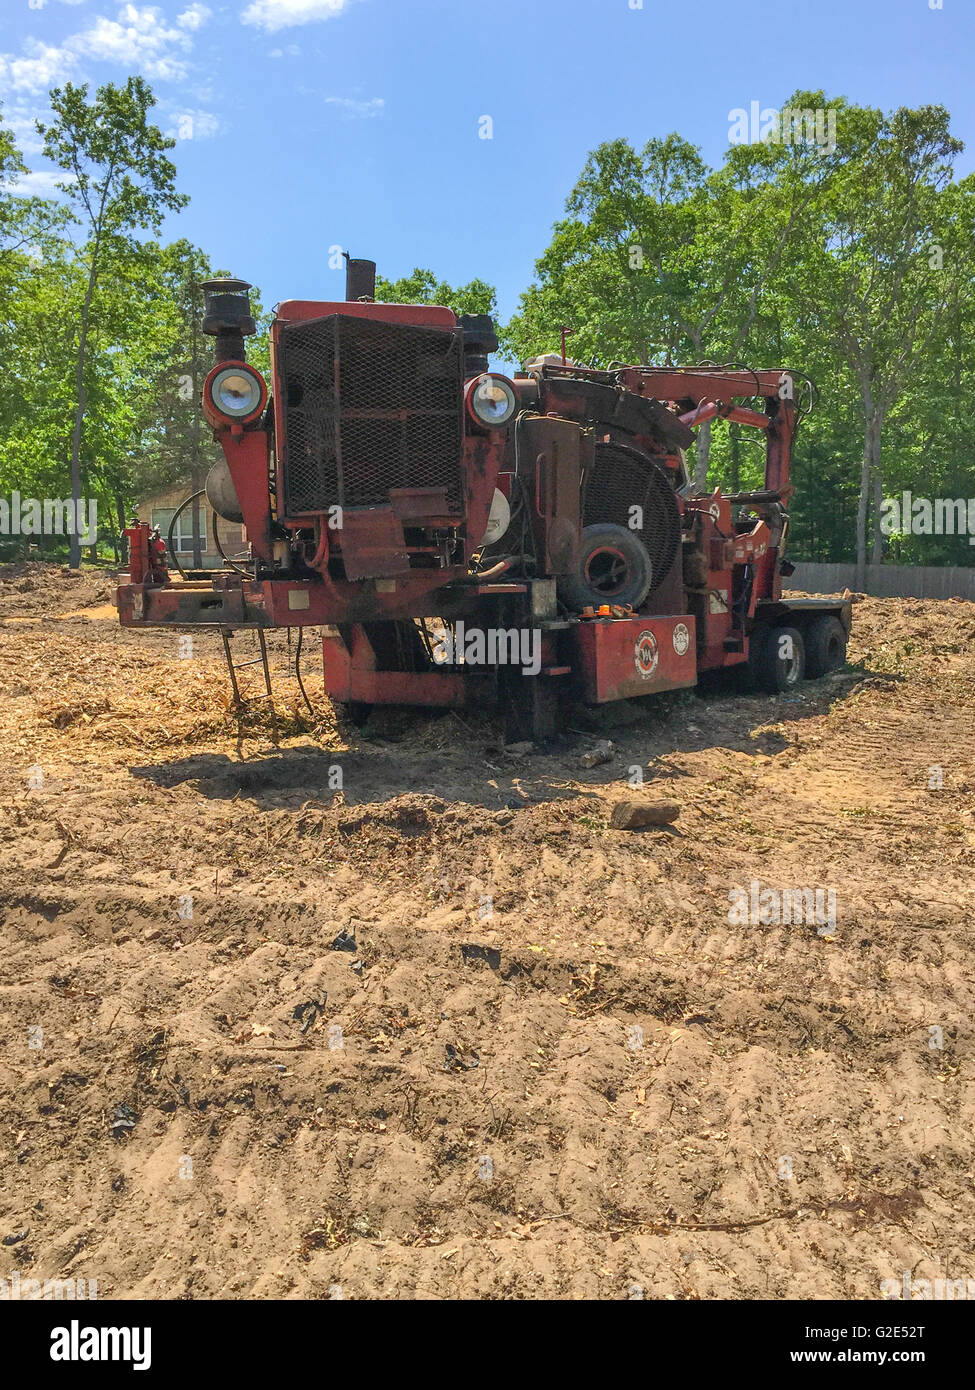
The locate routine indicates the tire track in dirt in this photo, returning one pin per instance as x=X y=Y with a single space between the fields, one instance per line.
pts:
x=599 y=1084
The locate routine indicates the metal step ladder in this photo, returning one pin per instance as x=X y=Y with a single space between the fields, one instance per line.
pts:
x=261 y=661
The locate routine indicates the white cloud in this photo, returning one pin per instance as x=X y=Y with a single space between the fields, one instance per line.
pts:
x=40 y=183
x=357 y=110
x=193 y=17
x=140 y=39
x=195 y=125
x=273 y=15
x=20 y=120
x=291 y=49
x=41 y=65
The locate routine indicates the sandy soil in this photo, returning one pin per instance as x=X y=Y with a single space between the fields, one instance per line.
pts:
x=541 y=1062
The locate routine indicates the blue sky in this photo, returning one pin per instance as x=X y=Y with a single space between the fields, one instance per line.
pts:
x=305 y=124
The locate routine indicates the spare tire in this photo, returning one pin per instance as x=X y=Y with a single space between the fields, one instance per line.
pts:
x=624 y=483
x=611 y=565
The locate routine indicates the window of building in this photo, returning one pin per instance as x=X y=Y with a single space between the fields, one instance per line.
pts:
x=183 y=535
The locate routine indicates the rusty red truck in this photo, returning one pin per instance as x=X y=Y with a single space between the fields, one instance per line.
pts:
x=468 y=538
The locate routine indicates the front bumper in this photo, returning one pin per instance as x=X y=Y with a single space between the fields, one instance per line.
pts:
x=232 y=601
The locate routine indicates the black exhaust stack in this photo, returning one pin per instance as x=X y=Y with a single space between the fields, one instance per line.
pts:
x=227 y=317
x=360 y=279
x=480 y=339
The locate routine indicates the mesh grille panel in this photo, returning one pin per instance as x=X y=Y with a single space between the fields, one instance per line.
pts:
x=620 y=479
x=368 y=406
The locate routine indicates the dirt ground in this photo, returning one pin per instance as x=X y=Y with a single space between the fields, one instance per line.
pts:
x=440 y=1032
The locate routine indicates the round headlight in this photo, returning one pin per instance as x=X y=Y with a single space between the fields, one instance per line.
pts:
x=492 y=400
x=236 y=392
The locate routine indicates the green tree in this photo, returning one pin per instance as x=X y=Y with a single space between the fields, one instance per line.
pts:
x=181 y=448
x=660 y=260
x=120 y=182
x=173 y=444
x=423 y=287
x=870 y=278
x=32 y=271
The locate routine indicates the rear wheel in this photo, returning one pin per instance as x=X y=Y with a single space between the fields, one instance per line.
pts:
x=611 y=565
x=778 y=659
x=825 y=646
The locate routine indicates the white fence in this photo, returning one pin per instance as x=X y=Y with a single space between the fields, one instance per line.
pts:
x=887 y=581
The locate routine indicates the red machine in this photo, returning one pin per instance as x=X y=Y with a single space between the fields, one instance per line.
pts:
x=468 y=539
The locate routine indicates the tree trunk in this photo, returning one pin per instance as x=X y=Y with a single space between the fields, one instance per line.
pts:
x=74 y=554
x=878 y=537
x=120 y=539
x=869 y=468
x=703 y=457
x=735 y=457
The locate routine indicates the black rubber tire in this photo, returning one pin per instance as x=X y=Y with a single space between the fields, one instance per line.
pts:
x=749 y=672
x=778 y=660
x=611 y=565
x=825 y=646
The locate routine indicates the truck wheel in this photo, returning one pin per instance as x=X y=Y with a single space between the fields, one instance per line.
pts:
x=780 y=662
x=825 y=646
x=611 y=565
x=749 y=673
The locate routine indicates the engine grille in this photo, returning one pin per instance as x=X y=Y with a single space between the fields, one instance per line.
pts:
x=620 y=479
x=368 y=406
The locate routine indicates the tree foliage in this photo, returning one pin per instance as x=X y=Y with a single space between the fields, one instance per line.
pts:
x=850 y=260
x=118 y=182
x=423 y=287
